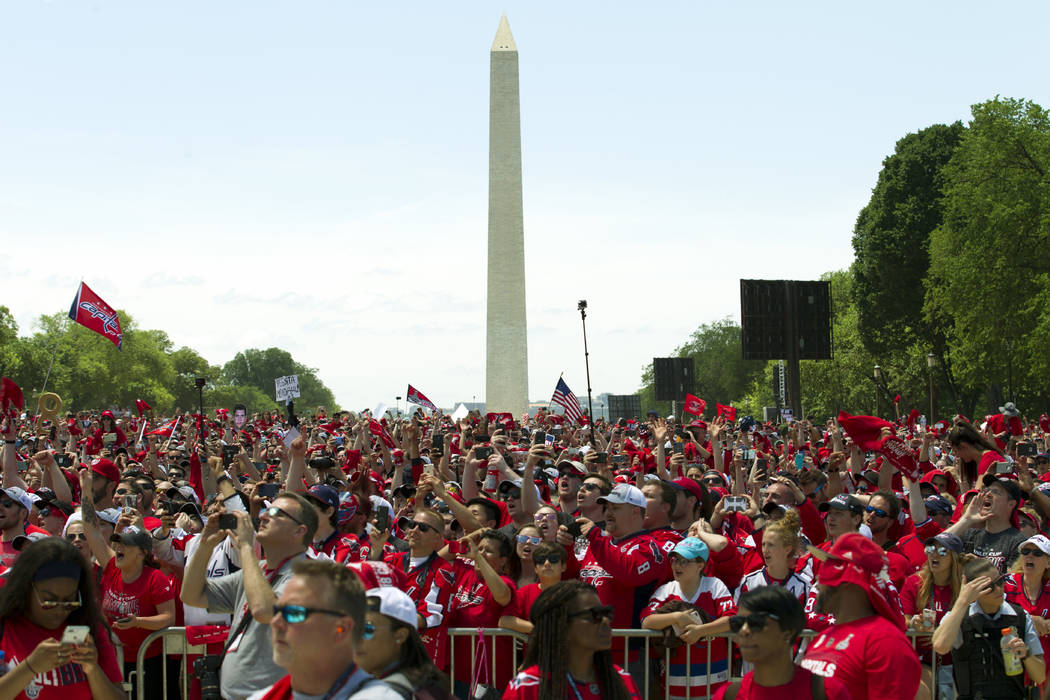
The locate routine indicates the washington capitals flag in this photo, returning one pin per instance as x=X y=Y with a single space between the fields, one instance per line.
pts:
x=417 y=398
x=91 y=312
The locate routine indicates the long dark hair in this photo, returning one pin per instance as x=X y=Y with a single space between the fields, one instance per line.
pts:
x=507 y=550
x=964 y=432
x=415 y=662
x=14 y=597
x=549 y=649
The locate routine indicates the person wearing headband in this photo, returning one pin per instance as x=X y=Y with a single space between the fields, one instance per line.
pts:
x=49 y=589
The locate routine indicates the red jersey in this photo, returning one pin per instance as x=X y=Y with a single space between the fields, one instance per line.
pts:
x=625 y=573
x=690 y=674
x=338 y=548
x=66 y=682
x=430 y=584
x=871 y=656
x=801 y=686
x=1040 y=607
x=940 y=602
x=524 y=597
x=526 y=686
x=139 y=598
x=471 y=605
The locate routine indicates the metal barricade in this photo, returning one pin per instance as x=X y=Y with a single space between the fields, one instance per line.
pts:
x=175 y=644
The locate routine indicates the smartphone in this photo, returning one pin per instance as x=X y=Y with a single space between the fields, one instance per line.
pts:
x=619 y=459
x=538 y=437
x=679 y=448
x=549 y=439
x=227 y=521
x=748 y=454
x=382 y=521
x=1026 y=449
x=735 y=504
x=697 y=619
x=268 y=490
x=1004 y=467
x=601 y=457
x=483 y=452
x=75 y=634
x=131 y=501
x=800 y=459
x=438 y=440
x=64 y=460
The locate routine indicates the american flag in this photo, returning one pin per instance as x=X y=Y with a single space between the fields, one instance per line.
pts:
x=564 y=397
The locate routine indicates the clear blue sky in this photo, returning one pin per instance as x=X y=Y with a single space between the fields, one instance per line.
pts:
x=313 y=175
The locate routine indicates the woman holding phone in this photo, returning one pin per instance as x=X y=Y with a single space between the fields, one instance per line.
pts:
x=50 y=596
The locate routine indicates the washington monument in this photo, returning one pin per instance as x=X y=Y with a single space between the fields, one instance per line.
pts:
x=506 y=349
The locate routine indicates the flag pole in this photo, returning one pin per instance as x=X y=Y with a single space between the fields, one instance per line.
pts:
x=173 y=429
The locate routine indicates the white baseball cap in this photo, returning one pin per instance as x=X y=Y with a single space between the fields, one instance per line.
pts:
x=394 y=603
x=624 y=493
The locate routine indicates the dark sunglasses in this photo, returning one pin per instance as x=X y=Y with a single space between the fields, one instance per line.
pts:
x=45 y=512
x=510 y=496
x=274 y=511
x=597 y=614
x=1030 y=552
x=413 y=524
x=294 y=614
x=999 y=582
x=755 y=621
x=587 y=486
x=74 y=536
x=877 y=511
x=941 y=550
x=122 y=492
x=541 y=559
x=7 y=502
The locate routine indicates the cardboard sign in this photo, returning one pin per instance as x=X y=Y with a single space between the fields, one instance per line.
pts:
x=787 y=415
x=900 y=455
x=287 y=387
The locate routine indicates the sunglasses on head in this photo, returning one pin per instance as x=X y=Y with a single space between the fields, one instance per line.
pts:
x=294 y=614
x=597 y=614
x=940 y=549
x=755 y=621
x=541 y=559
x=877 y=511
x=413 y=524
x=52 y=604
x=1033 y=552
x=528 y=539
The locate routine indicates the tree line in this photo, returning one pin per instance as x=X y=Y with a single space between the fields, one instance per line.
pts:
x=86 y=370
x=951 y=266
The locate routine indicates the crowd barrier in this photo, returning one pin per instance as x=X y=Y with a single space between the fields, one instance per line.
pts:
x=175 y=645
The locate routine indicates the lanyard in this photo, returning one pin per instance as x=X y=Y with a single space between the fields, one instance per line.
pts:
x=572 y=684
x=340 y=681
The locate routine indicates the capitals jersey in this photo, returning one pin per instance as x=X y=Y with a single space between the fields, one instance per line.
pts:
x=625 y=573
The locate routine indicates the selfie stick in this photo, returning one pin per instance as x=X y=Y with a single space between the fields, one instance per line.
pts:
x=582 y=306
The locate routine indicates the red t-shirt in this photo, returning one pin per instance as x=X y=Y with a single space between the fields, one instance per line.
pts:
x=526 y=686
x=524 y=597
x=871 y=656
x=799 y=687
x=67 y=682
x=940 y=602
x=139 y=598
x=471 y=605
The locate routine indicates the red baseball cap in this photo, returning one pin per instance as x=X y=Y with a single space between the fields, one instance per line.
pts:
x=690 y=486
x=857 y=560
x=106 y=469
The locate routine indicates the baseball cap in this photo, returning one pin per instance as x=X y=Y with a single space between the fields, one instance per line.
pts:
x=133 y=537
x=624 y=493
x=697 y=424
x=938 y=504
x=22 y=540
x=690 y=486
x=578 y=466
x=951 y=541
x=691 y=548
x=1009 y=485
x=1039 y=541
x=506 y=486
x=842 y=502
x=324 y=495
x=106 y=469
x=394 y=603
x=19 y=496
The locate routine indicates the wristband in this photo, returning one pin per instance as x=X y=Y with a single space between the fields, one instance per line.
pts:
x=9 y=442
x=26 y=662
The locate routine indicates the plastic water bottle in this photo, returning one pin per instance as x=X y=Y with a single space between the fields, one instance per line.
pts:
x=1010 y=661
x=491 y=479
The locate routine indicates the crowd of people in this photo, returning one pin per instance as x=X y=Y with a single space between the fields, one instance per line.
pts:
x=329 y=556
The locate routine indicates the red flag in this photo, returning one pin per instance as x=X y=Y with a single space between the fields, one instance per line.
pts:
x=728 y=412
x=141 y=406
x=913 y=418
x=10 y=395
x=164 y=430
x=92 y=313
x=865 y=431
x=415 y=397
x=896 y=399
x=694 y=405
x=505 y=419
x=376 y=429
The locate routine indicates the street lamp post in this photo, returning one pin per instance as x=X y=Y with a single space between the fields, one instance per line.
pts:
x=878 y=378
x=397 y=405
x=931 y=364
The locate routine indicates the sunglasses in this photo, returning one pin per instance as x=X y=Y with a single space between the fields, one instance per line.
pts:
x=877 y=511
x=528 y=539
x=413 y=524
x=999 y=582
x=45 y=512
x=941 y=550
x=587 y=486
x=541 y=559
x=597 y=614
x=369 y=630
x=7 y=503
x=294 y=614
x=74 y=536
x=547 y=516
x=1029 y=552
x=122 y=492
x=52 y=604
x=756 y=622
x=274 y=511
x=510 y=496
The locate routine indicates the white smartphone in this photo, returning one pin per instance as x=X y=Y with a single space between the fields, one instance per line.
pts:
x=75 y=634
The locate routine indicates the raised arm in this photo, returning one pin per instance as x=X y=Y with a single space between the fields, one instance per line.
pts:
x=99 y=547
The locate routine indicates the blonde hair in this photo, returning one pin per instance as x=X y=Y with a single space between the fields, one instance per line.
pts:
x=1018 y=568
x=787 y=529
x=922 y=598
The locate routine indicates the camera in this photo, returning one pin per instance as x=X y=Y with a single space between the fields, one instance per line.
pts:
x=206 y=669
x=322 y=463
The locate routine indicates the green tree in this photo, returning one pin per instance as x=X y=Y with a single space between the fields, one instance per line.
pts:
x=259 y=369
x=988 y=281
x=720 y=372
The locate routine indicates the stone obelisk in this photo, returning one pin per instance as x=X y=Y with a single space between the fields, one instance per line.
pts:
x=506 y=349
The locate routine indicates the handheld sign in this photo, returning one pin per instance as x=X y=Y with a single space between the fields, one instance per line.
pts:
x=287 y=387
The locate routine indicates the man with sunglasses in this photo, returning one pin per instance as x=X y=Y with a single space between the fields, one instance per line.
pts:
x=315 y=627
x=15 y=505
x=880 y=515
x=286 y=530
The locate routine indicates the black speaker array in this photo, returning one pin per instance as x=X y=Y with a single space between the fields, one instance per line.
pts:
x=774 y=311
x=624 y=406
x=672 y=378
